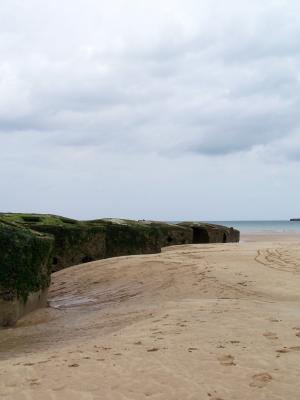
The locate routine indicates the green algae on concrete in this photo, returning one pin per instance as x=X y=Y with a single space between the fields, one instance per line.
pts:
x=75 y=242
x=211 y=233
x=24 y=269
x=169 y=234
x=33 y=245
x=127 y=237
x=36 y=219
x=83 y=241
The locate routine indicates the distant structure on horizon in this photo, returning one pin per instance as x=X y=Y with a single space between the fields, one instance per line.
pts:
x=295 y=219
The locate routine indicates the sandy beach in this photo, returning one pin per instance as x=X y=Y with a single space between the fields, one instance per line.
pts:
x=217 y=322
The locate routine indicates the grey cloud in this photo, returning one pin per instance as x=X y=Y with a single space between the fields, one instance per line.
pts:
x=150 y=109
x=209 y=91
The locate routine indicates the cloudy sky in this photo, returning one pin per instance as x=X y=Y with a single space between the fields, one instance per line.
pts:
x=150 y=109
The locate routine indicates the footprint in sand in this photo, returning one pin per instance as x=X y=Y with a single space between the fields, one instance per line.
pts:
x=213 y=397
x=34 y=382
x=190 y=349
x=288 y=349
x=295 y=348
x=270 y=335
x=282 y=351
x=261 y=380
x=297 y=333
x=227 y=360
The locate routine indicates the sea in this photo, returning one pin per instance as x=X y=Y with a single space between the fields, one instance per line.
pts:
x=262 y=226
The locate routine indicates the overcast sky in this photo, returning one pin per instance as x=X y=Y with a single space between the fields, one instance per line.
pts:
x=150 y=109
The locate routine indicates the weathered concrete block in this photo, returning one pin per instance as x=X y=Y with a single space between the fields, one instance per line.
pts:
x=24 y=271
x=170 y=234
x=211 y=233
x=77 y=242
x=13 y=309
x=33 y=245
x=128 y=237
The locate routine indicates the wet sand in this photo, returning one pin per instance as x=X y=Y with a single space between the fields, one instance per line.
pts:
x=218 y=322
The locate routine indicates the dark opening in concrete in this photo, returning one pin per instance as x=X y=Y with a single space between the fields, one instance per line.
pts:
x=170 y=239
x=224 y=238
x=200 y=235
x=86 y=259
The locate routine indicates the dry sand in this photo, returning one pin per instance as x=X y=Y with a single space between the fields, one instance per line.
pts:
x=195 y=322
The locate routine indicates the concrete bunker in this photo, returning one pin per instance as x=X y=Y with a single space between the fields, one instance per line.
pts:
x=33 y=245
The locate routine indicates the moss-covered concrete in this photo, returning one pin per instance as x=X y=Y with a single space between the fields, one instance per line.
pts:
x=82 y=241
x=124 y=237
x=169 y=234
x=211 y=233
x=75 y=242
x=33 y=245
x=24 y=268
